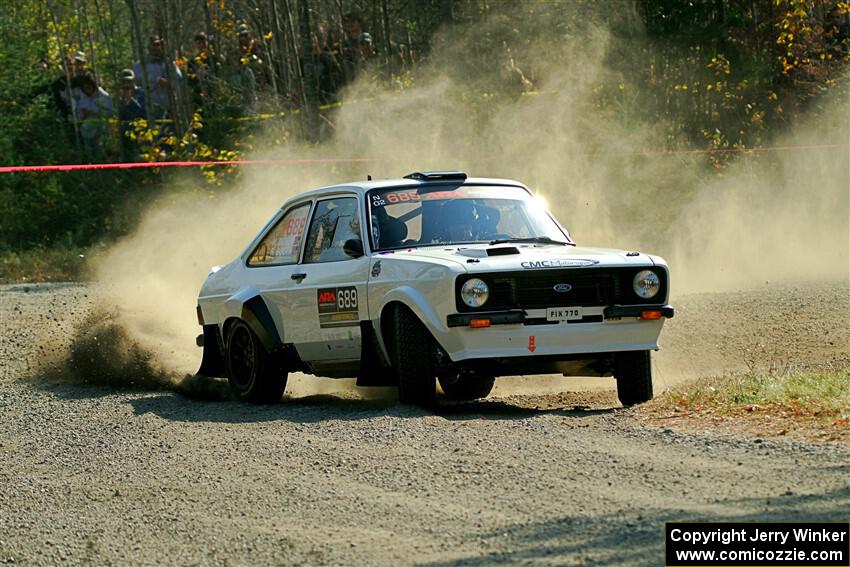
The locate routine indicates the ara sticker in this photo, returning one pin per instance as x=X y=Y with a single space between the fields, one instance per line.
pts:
x=338 y=307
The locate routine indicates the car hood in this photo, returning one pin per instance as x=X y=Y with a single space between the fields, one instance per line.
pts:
x=485 y=258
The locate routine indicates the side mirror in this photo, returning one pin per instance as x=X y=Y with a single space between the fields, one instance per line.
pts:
x=353 y=247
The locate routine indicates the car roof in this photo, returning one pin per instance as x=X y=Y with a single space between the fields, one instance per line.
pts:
x=361 y=187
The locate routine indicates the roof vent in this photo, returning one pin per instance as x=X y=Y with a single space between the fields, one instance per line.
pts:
x=436 y=176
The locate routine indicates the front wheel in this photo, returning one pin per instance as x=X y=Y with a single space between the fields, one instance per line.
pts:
x=412 y=360
x=466 y=386
x=252 y=372
x=634 y=377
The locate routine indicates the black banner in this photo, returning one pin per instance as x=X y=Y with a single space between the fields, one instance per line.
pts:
x=801 y=544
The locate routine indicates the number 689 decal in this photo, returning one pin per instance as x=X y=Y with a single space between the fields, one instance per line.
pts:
x=346 y=299
x=337 y=299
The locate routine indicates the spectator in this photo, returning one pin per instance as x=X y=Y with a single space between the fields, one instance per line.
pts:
x=250 y=68
x=200 y=69
x=365 y=47
x=79 y=62
x=60 y=89
x=329 y=69
x=131 y=107
x=92 y=109
x=352 y=27
x=65 y=89
x=836 y=29
x=159 y=77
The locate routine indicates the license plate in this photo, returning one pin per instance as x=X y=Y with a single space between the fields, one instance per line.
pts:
x=564 y=313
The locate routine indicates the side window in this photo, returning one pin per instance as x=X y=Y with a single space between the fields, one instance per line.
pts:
x=283 y=242
x=334 y=222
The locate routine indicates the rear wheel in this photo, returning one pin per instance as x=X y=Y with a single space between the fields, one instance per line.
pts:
x=464 y=386
x=253 y=373
x=634 y=377
x=412 y=360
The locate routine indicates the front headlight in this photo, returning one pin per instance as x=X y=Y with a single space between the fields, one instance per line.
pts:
x=646 y=284
x=474 y=292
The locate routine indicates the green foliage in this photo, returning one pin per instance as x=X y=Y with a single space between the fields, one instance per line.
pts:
x=730 y=74
x=715 y=75
x=823 y=393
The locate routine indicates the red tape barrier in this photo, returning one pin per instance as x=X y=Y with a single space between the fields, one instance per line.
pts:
x=154 y=165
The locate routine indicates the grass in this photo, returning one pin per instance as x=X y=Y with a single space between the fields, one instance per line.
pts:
x=42 y=265
x=811 y=403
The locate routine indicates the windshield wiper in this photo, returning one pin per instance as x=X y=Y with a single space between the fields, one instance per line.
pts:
x=533 y=240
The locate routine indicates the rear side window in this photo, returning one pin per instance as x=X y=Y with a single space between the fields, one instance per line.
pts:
x=283 y=242
x=334 y=222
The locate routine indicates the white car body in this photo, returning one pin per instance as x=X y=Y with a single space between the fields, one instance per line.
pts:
x=290 y=306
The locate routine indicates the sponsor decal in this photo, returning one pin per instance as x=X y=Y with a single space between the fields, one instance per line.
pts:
x=531 y=346
x=376 y=269
x=556 y=263
x=562 y=287
x=410 y=196
x=338 y=307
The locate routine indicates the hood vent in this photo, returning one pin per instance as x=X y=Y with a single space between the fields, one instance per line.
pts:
x=502 y=251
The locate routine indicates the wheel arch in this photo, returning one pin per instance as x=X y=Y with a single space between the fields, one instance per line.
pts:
x=249 y=306
x=420 y=310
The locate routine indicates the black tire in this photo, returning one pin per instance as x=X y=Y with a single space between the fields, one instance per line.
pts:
x=253 y=373
x=417 y=384
x=466 y=386
x=633 y=372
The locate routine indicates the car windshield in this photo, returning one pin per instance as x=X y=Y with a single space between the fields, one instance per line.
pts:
x=409 y=217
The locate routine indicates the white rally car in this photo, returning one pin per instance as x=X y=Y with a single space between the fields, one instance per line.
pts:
x=432 y=277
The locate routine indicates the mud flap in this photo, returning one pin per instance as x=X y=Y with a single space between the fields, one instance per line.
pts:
x=212 y=362
x=374 y=369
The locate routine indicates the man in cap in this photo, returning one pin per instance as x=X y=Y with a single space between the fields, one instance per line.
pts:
x=366 y=47
x=65 y=89
x=199 y=69
x=131 y=107
x=251 y=66
x=159 y=74
x=92 y=108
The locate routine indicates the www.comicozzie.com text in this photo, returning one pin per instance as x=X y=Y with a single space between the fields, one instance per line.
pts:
x=726 y=536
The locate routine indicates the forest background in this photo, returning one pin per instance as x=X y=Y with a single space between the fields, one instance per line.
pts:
x=718 y=81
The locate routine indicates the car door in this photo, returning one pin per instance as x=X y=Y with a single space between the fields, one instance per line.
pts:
x=273 y=261
x=330 y=290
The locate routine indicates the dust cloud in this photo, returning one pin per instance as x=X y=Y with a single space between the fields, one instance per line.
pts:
x=762 y=221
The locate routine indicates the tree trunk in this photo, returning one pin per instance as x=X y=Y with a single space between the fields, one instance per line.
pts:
x=447 y=13
x=140 y=54
x=62 y=43
x=164 y=24
x=279 y=43
x=294 y=61
x=108 y=37
x=388 y=50
x=84 y=22
x=310 y=109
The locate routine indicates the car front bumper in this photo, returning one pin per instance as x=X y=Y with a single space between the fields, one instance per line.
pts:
x=518 y=333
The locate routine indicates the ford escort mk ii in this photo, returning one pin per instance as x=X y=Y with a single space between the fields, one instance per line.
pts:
x=435 y=277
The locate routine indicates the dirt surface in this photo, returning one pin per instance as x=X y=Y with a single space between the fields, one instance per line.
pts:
x=545 y=471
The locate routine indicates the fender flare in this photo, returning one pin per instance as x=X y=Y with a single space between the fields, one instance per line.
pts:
x=249 y=305
x=256 y=313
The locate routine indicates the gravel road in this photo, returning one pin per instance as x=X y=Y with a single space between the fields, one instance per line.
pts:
x=102 y=475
